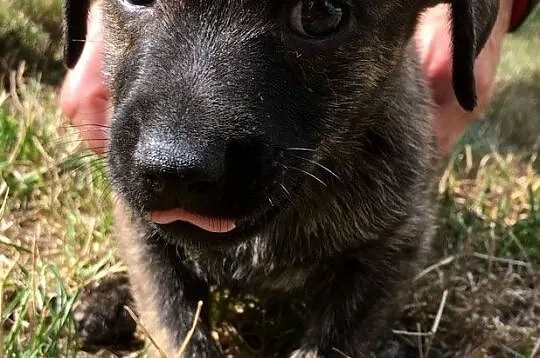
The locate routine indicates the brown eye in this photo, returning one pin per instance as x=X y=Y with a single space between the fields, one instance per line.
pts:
x=317 y=18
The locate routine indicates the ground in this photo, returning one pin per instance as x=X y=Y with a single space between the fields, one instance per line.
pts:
x=479 y=298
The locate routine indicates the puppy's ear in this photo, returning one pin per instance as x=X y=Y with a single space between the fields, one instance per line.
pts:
x=75 y=17
x=472 y=21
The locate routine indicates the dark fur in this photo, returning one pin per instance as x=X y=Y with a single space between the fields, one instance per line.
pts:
x=101 y=319
x=212 y=100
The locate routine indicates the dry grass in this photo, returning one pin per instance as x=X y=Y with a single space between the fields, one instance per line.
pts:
x=480 y=298
x=490 y=235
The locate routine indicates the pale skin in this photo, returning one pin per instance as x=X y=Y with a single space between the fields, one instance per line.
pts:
x=85 y=100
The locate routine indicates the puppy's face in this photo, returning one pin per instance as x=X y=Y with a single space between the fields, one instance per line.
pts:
x=225 y=110
x=228 y=113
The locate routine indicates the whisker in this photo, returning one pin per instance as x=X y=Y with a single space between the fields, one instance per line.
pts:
x=84 y=155
x=64 y=141
x=83 y=40
x=287 y=193
x=79 y=160
x=285 y=190
x=87 y=167
x=300 y=149
x=314 y=162
x=91 y=130
x=82 y=140
x=307 y=173
x=106 y=193
x=73 y=126
x=94 y=148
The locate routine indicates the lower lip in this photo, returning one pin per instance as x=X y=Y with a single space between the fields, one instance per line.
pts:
x=207 y=223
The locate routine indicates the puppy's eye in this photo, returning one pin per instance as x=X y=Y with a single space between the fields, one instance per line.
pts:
x=140 y=2
x=317 y=18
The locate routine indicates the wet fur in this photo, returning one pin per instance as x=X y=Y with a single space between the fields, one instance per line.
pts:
x=347 y=241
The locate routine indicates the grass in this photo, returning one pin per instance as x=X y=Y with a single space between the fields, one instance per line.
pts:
x=55 y=221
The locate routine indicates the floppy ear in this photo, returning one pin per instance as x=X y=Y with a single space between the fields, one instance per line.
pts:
x=472 y=21
x=75 y=17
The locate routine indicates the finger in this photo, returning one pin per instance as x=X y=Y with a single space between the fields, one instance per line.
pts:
x=84 y=98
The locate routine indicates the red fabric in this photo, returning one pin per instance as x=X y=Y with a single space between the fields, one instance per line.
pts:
x=519 y=13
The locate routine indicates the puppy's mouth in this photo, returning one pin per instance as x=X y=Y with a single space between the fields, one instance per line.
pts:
x=206 y=223
x=182 y=223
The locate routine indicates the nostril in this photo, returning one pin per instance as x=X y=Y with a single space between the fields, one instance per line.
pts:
x=200 y=187
x=154 y=182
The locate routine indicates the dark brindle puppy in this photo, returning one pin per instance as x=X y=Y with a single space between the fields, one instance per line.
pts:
x=283 y=146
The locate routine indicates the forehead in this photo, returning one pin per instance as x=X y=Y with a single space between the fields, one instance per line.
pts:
x=366 y=14
x=368 y=21
x=381 y=7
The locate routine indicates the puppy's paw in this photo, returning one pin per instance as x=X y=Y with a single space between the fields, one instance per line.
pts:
x=101 y=319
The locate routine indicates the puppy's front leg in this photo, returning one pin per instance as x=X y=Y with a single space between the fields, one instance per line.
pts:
x=175 y=293
x=359 y=298
x=166 y=292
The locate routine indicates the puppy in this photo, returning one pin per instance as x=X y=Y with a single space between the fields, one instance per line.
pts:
x=282 y=147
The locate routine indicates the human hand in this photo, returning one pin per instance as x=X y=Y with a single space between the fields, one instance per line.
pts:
x=84 y=97
x=433 y=41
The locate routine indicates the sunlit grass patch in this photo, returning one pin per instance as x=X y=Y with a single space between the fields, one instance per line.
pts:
x=55 y=223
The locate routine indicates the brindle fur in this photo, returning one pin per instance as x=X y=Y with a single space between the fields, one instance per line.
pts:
x=200 y=77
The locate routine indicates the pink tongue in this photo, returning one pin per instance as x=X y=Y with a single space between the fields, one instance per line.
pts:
x=204 y=222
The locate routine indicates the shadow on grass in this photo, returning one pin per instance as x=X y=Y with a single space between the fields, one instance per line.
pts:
x=512 y=123
x=31 y=32
x=15 y=51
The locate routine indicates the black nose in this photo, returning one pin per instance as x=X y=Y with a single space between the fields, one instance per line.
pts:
x=178 y=170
